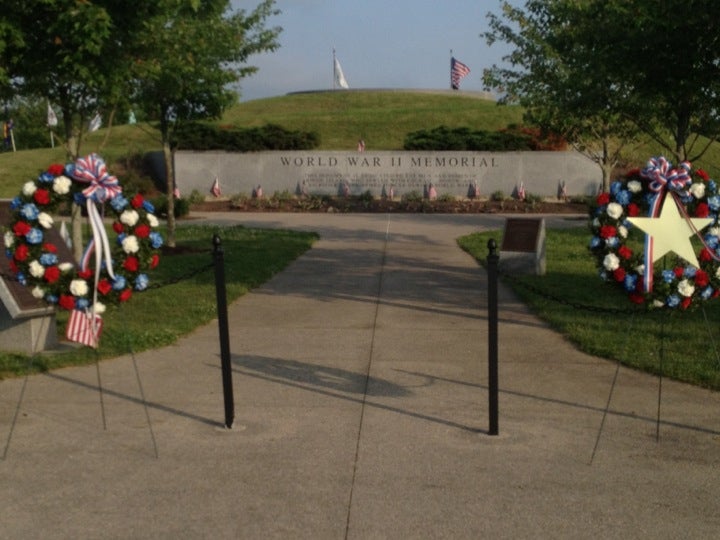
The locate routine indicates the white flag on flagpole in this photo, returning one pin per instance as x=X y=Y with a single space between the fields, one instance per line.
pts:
x=340 y=80
x=95 y=123
x=51 y=116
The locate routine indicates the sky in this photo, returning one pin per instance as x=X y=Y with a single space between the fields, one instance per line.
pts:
x=378 y=43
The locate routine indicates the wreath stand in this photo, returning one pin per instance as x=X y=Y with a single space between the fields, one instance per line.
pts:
x=661 y=358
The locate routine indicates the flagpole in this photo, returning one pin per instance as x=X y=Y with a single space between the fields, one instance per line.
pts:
x=451 y=57
x=334 y=72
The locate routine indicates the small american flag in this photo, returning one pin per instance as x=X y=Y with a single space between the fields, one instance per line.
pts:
x=521 y=192
x=215 y=190
x=84 y=327
x=457 y=71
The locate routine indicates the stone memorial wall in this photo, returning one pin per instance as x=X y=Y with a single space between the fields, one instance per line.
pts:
x=337 y=172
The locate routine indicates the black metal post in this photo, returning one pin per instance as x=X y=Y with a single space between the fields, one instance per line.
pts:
x=492 y=270
x=219 y=260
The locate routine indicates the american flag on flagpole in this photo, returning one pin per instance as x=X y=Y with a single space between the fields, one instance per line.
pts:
x=215 y=190
x=521 y=192
x=458 y=70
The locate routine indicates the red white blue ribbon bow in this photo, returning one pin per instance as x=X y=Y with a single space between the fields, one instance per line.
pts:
x=662 y=178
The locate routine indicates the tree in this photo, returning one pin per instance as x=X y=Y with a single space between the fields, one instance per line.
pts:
x=191 y=54
x=558 y=76
x=626 y=65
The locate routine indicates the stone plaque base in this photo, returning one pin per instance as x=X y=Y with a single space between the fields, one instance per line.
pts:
x=522 y=249
x=29 y=334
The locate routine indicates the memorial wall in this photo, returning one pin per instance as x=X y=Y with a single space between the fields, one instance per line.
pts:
x=354 y=173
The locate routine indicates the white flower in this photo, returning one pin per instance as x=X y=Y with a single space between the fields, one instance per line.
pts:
x=78 y=287
x=658 y=303
x=596 y=223
x=9 y=239
x=98 y=308
x=129 y=217
x=152 y=220
x=66 y=267
x=634 y=186
x=36 y=269
x=622 y=231
x=614 y=210
x=686 y=288
x=38 y=293
x=611 y=262
x=640 y=269
x=61 y=185
x=715 y=231
x=130 y=244
x=45 y=220
x=29 y=188
x=698 y=190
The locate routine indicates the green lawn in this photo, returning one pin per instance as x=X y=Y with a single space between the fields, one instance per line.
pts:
x=600 y=320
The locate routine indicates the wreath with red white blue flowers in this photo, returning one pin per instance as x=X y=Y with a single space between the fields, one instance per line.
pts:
x=676 y=283
x=120 y=268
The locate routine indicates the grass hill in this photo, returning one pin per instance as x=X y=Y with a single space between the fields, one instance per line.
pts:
x=382 y=118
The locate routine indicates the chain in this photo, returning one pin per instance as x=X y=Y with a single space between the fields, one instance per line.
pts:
x=544 y=294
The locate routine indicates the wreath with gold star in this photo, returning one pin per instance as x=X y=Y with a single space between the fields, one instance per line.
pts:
x=656 y=235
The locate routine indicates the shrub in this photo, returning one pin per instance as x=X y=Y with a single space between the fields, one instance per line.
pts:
x=160 y=202
x=203 y=136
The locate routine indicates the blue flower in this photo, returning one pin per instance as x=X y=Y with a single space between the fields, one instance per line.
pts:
x=119 y=284
x=615 y=188
x=46 y=177
x=141 y=282
x=82 y=303
x=689 y=271
x=34 y=236
x=51 y=299
x=673 y=300
x=712 y=186
x=119 y=202
x=612 y=241
x=148 y=206
x=79 y=198
x=623 y=197
x=595 y=241
x=630 y=282
x=21 y=278
x=16 y=203
x=711 y=240
x=156 y=240
x=29 y=211
x=706 y=293
x=70 y=169
x=714 y=202
x=120 y=238
x=668 y=276
x=48 y=259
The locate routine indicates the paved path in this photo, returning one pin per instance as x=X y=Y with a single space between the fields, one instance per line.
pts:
x=361 y=412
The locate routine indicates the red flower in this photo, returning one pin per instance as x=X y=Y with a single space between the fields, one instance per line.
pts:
x=67 y=301
x=21 y=228
x=42 y=196
x=154 y=260
x=125 y=295
x=619 y=274
x=607 y=231
x=50 y=248
x=603 y=198
x=702 y=210
x=705 y=255
x=21 y=253
x=702 y=174
x=142 y=231
x=104 y=286
x=118 y=227
x=13 y=266
x=678 y=271
x=633 y=172
x=701 y=278
x=625 y=252
x=633 y=210
x=56 y=169
x=137 y=201
x=52 y=274
x=131 y=264
x=686 y=302
x=85 y=274
x=637 y=298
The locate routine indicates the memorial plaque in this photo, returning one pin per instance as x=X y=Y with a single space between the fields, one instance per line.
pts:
x=521 y=235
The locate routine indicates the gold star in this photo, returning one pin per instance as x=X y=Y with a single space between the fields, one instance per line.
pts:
x=670 y=231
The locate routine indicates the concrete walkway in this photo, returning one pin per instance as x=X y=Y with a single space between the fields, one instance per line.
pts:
x=360 y=380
